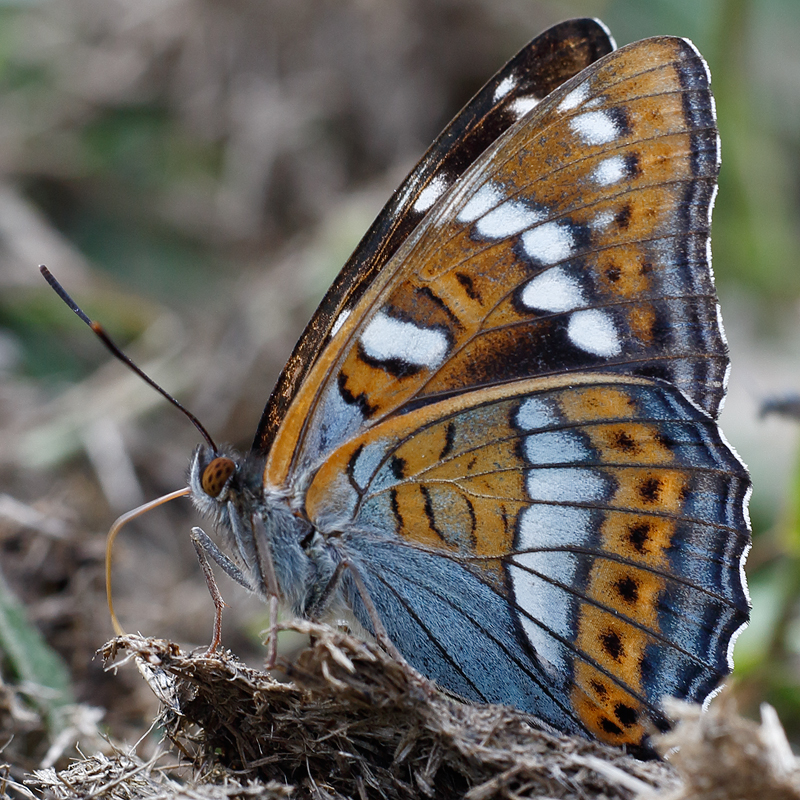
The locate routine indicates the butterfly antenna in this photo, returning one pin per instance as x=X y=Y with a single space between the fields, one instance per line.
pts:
x=115 y=351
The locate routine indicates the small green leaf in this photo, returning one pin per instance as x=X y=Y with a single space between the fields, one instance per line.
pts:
x=42 y=674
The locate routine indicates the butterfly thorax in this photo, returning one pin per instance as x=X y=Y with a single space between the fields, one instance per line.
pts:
x=258 y=529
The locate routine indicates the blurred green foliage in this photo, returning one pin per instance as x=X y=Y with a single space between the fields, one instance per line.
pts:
x=32 y=663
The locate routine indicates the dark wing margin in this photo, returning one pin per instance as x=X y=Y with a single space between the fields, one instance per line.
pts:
x=541 y=66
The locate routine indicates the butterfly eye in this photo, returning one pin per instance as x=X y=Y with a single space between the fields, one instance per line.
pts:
x=215 y=475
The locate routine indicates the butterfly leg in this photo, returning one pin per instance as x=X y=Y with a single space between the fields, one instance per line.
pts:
x=205 y=547
x=324 y=599
x=213 y=590
x=204 y=541
x=272 y=646
x=270 y=580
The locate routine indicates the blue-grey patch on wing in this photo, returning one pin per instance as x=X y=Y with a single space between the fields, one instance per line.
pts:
x=454 y=628
x=701 y=556
x=334 y=420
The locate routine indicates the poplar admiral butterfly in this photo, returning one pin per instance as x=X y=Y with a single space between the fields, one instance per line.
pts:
x=495 y=443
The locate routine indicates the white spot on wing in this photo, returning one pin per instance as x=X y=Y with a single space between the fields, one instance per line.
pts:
x=340 y=320
x=507 y=219
x=553 y=290
x=548 y=243
x=388 y=339
x=504 y=87
x=535 y=412
x=594 y=332
x=595 y=127
x=602 y=220
x=712 y=200
x=544 y=526
x=566 y=485
x=430 y=194
x=367 y=462
x=574 y=98
x=721 y=327
x=555 y=447
x=484 y=200
x=610 y=170
x=545 y=608
x=522 y=105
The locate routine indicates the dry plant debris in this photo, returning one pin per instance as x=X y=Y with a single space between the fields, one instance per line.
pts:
x=352 y=722
x=721 y=756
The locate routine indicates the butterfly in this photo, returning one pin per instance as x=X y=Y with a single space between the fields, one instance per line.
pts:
x=496 y=440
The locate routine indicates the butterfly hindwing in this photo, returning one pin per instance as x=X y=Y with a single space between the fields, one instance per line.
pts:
x=570 y=545
x=577 y=241
x=543 y=65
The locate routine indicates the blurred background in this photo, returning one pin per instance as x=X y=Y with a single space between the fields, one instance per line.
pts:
x=195 y=172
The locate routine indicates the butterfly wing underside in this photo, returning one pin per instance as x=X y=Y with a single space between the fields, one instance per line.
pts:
x=543 y=65
x=571 y=545
x=579 y=240
x=509 y=425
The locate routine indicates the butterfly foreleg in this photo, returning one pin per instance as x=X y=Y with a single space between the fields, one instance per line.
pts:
x=202 y=541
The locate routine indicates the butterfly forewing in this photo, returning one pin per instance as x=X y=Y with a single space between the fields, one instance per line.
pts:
x=578 y=240
x=588 y=535
x=542 y=66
